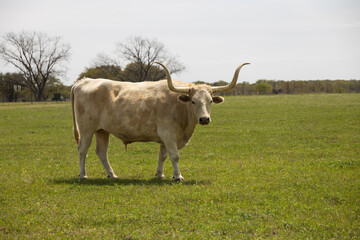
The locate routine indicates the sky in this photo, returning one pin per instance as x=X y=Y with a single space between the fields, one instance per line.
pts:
x=282 y=39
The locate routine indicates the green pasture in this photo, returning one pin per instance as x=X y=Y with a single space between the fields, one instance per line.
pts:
x=267 y=167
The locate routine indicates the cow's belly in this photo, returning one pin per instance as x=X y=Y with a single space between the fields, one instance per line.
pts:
x=133 y=130
x=133 y=138
x=129 y=137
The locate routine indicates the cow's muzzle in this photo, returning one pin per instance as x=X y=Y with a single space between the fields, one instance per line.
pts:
x=204 y=120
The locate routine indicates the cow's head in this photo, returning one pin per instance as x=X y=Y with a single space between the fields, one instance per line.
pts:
x=200 y=97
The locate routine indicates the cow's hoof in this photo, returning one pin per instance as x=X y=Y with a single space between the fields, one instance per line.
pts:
x=159 y=176
x=179 y=179
x=113 y=176
x=83 y=177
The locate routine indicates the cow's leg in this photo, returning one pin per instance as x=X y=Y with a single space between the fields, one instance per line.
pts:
x=169 y=139
x=102 y=143
x=84 y=144
x=175 y=157
x=162 y=158
x=171 y=148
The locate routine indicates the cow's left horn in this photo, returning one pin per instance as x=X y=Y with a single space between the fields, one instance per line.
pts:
x=233 y=82
x=170 y=82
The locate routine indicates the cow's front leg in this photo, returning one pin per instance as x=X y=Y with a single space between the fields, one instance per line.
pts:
x=172 y=150
x=162 y=158
x=175 y=157
x=168 y=137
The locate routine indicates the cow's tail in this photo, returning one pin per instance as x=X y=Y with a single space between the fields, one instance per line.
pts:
x=75 y=129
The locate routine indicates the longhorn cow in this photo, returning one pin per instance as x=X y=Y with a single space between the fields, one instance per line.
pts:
x=165 y=112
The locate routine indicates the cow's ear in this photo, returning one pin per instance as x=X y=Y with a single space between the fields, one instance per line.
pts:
x=218 y=99
x=184 y=98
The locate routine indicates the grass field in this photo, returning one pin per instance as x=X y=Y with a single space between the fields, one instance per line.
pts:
x=267 y=167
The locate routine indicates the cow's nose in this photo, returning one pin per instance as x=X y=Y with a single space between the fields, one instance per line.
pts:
x=204 y=120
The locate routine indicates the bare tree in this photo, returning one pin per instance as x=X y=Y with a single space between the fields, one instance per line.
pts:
x=140 y=54
x=37 y=56
x=103 y=59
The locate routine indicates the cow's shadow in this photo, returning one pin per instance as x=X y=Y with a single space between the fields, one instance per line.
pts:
x=124 y=181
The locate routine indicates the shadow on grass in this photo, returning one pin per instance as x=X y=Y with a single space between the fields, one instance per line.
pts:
x=121 y=181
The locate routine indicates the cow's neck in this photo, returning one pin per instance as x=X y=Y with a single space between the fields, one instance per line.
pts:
x=190 y=124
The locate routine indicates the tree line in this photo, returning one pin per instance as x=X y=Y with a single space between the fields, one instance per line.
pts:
x=296 y=87
x=10 y=92
x=39 y=60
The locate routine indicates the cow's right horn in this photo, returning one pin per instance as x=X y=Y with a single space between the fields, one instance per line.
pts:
x=170 y=82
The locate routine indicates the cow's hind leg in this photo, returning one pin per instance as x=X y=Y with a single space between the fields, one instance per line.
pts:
x=84 y=144
x=162 y=158
x=102 y=143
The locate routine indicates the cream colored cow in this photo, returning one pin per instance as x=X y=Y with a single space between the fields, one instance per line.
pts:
x=140 y=112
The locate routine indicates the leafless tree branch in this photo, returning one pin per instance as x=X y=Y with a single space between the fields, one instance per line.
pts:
x=144 y=53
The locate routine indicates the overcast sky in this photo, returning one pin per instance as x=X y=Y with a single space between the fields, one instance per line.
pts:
x=282 y=39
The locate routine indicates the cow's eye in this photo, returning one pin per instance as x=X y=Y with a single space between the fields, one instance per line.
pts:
x=193 y=102
x=211 y=101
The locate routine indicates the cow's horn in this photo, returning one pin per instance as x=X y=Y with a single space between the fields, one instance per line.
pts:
x=170 y=82
x=233 y=82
